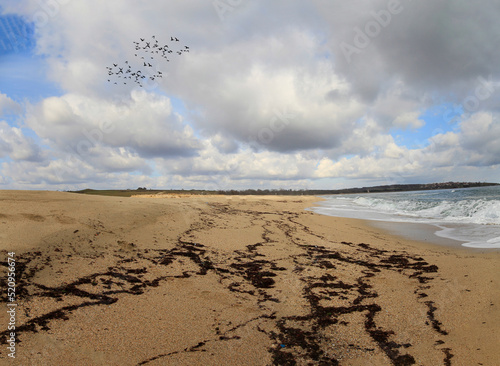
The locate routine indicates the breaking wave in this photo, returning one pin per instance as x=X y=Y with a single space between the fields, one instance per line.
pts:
x=469 y=215
x=475 y=211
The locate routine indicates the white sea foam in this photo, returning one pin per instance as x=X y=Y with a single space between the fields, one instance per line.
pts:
x=468 y=215
x=491 y=243
x=464 y=211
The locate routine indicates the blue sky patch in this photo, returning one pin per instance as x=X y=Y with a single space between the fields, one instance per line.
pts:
x=23 y=72
x=16 y=35
x=438 y=119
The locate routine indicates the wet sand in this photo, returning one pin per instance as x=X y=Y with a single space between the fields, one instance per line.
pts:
x=419 y=232
x=218 y=280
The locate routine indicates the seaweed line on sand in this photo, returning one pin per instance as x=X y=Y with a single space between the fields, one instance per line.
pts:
x=302 y=338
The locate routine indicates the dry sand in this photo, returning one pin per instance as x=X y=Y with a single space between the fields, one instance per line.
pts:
x=218 y=280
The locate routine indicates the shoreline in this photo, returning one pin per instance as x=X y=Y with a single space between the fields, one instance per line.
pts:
x=242 y=280
x=418 y=232
x=474 y=236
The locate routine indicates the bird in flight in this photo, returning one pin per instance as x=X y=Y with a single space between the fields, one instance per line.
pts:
x=143 y=48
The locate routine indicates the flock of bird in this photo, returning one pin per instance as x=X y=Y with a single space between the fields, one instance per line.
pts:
x=146 y=53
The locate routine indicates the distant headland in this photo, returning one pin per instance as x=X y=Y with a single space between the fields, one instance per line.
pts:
x=291 y=192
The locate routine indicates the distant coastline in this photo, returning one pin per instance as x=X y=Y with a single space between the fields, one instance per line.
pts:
x=290 y=192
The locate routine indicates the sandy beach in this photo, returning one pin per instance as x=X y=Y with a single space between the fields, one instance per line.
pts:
x=234 y=280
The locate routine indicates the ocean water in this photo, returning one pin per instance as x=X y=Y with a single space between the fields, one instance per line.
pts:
x=468 y=215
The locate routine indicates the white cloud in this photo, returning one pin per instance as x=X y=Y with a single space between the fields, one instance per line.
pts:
x=8 y=106
x=480 y=134
x=247 y=104
x=224 y=144
x=408 y=120
x=15 y=145
x=143 y=122
x=117 y=160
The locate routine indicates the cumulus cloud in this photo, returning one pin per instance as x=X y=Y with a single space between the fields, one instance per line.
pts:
x=8 y=106
x=276 y=84
x=431 y=46
x=409 y=120
x=15 y=145
x=143 y=123
x=480 y=134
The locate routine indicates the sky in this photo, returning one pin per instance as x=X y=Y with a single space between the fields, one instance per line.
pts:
x=286 y=94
